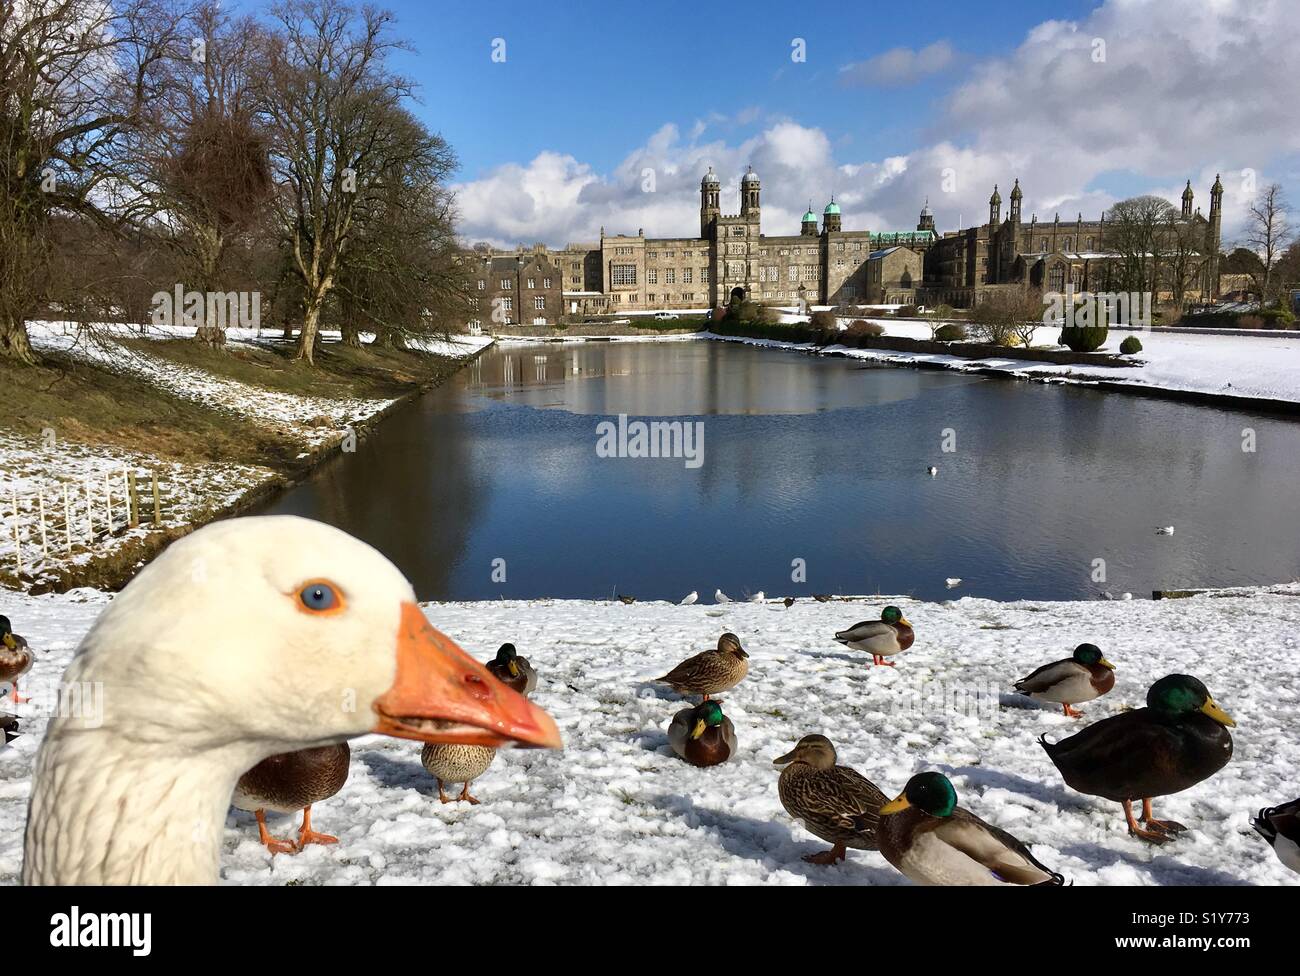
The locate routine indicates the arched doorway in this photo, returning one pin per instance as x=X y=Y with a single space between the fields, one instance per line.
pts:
x=737 y=294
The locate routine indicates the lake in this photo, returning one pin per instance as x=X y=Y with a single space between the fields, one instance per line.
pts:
x=492 y=485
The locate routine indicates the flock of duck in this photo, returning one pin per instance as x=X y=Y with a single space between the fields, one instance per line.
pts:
x=198 y=715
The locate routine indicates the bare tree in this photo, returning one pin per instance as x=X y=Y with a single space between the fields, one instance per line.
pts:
x=1136 y=233
x=1183 y=242
x=327 y=102
x=1007 y=313
x=1268 y=231
x=75 y=79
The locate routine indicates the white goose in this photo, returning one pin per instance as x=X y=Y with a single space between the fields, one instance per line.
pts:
x=248 y=638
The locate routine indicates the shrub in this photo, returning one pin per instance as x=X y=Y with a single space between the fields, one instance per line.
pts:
x=1250 y=322
x=1088 y=338
x=1131 y=346
x=769 y=316
x=942 y=312
x=824 y=320
x=950 y=332
x=859 y=331
x=905 y=311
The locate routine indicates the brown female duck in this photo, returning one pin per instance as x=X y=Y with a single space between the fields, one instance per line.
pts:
x=710 y=672
x=289 y=782
x=836 y=803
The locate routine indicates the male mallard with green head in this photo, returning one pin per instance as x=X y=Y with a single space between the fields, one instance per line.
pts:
x=702 y=735
x=513 y=670
x=710 y=672
x=1179 y=739
x=15 y=659
x=1082 y=677
x=1280 y=826
x=891 y=634
x=933 y=841
x=836 y=803
x=289 y=782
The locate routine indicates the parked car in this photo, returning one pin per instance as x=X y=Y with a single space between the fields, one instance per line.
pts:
x=665 y=316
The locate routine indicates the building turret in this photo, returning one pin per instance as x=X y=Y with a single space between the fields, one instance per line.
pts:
x=808 y=226
x=995 y=208
x=1187 y=201
x=710 y=206
x=1016 y=197
x=749 y=187
x=1213 y=240
x=927 y=218
x=831 y=217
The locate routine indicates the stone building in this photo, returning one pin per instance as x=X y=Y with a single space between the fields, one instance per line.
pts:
x=512 y=289
x=893 y=276
x=961 y=266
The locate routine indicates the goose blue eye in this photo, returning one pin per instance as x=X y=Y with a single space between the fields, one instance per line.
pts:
x=319 y=597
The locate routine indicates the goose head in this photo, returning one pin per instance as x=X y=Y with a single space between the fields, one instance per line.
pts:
x=249 y=637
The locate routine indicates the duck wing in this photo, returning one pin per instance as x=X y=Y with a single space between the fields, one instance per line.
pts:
x=1050 y=675
x=865 y=630
x=1002 y=854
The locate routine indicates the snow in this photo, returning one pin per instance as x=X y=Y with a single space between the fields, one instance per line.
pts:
x=617 y=807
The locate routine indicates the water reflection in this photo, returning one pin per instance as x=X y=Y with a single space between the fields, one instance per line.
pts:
x=814 y=459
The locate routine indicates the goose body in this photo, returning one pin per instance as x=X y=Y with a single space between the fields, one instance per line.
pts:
x=836 y=803
x=1082 y=677
x=1178 y=740
x=290 y=782
x=702 y=735
x=239 y=642
x=891 y=634
x=933 y=841
x=710 y=672
x=16 y=659
x=456 y=764
x=1280 y=827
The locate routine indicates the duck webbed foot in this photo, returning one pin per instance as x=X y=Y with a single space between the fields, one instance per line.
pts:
x=273 y=844
x=1071 y=712
x=308 y=836
x=464 y=795
x=835 y=854
x=878 y=659
x=1162 y=826
x=1153 y=836
x=442 y=794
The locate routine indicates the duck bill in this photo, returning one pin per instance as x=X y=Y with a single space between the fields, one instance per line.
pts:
x=443 y=695
x=897 y=805
x=905 y=622
x=698 y=730
x=782 y=760
x=10 y=642
x=1106 y=664
x=1212 y=709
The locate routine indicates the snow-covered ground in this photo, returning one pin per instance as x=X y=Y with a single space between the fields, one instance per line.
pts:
x=616 y=807
x=33 y=469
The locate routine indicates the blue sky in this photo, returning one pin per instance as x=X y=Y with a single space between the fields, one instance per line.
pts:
x=1085 y=101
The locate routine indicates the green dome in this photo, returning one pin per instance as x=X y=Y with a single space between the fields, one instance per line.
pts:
x=832 y=208
x=810 y=218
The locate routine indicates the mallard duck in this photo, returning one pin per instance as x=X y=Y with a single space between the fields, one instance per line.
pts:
x=15 y=659
x=289 y=782
x=1083 y=676
x=933 y=841
x=891 y=634
x=513 y=671
x=190 y=703
x=1280 y=826
x=454 y=763
x=1179 y=739
x=702 y=735
x=710 y=672
x=836 y=803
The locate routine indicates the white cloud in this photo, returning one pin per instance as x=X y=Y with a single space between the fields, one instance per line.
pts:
x=1187 y=89
x=900 y=66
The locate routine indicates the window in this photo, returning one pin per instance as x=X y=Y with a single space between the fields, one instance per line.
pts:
x=532 y=283
x=473 y=303
x=1069 y=243
x=622 y=250
x=539 y=320
x=622 y=274
x=670 y=276
x=793 y=272
x=687 y=277
x=507 y=284
x=507 y=304
x=651 y=298
x=704 y=276
x=652 y=254
x=539 y=303
x=735 y=269
x=481 y=284
x=738 y=232
x=546 y=282
x=652 y=276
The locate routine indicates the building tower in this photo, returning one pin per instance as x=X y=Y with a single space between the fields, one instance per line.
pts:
x=995 y=209
x=1187 y=201
x=749 y=187
x=808 y=226
x=927 y=218
x=1213 y=242
x=710 y=208
x=1016 y=197
x=831 y=217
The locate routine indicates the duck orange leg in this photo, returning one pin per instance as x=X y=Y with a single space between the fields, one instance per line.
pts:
x=274 y=845
x=442 y=794
x=881 y=661
x=1163 y=826
x=1153 y=836
x=308 y=836
x=464 y=795
x=1071 y=712
x=836 y=853
x=16 y=698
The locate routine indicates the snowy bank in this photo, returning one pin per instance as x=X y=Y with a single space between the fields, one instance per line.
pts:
x=616 y=807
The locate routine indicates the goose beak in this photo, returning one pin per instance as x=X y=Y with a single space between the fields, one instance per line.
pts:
x=897 y=805
x=1212 y=709
x=1106 y=664
x=443 y=695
